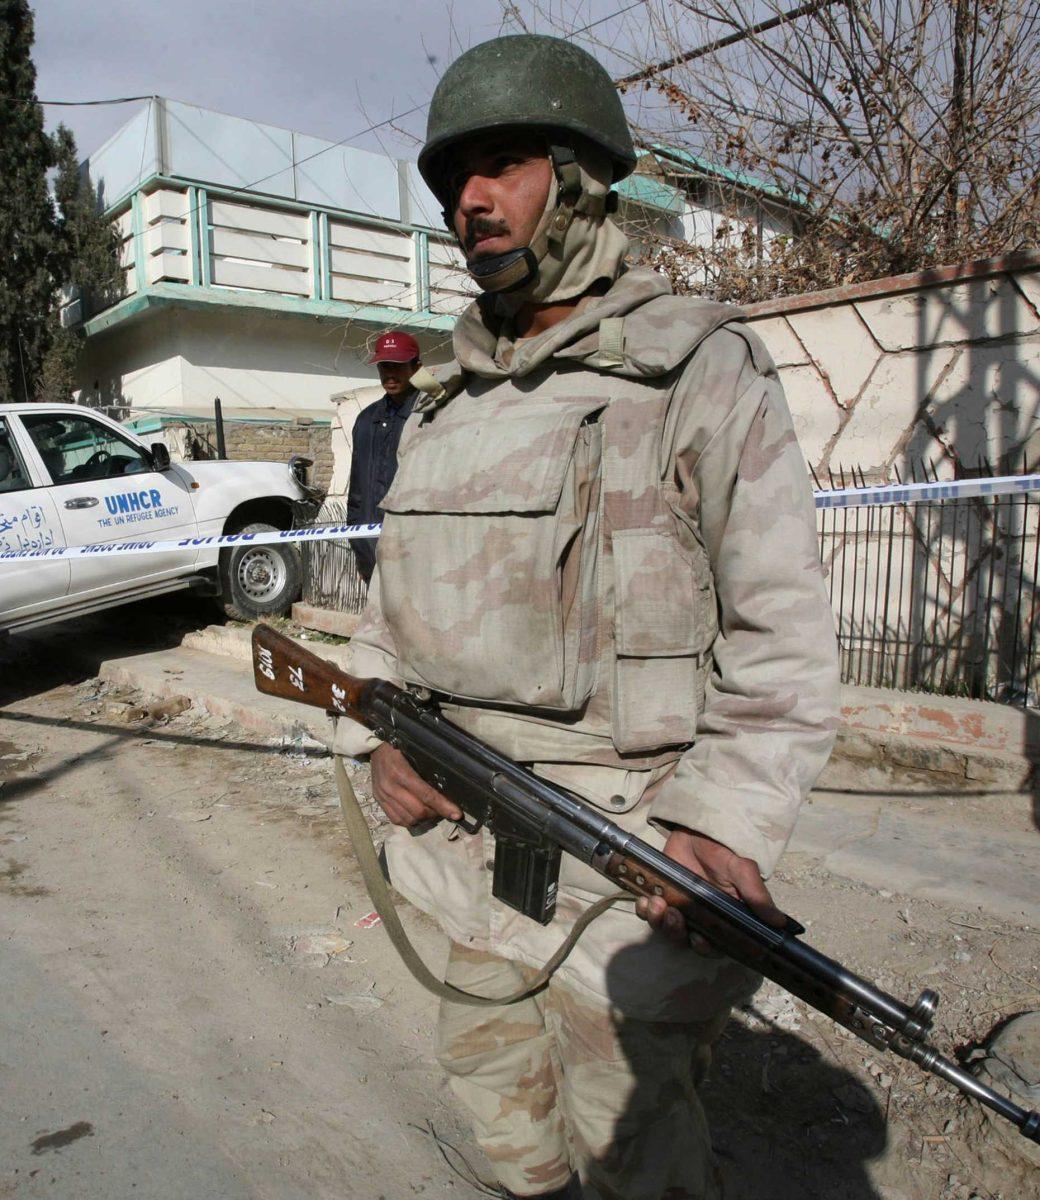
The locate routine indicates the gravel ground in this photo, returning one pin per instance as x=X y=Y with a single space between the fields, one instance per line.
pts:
x=191 y=1008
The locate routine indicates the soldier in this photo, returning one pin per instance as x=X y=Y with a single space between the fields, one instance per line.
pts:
x=599 y=553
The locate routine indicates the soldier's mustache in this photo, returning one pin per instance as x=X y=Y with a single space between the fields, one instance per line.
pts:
x=483 y=227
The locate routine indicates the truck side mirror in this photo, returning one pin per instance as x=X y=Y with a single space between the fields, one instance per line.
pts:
x=160 y=456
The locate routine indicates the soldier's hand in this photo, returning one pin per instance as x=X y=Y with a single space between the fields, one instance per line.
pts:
x=736 y=876
x=403 y=796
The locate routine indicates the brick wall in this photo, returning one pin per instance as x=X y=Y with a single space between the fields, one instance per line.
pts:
x=255 y=441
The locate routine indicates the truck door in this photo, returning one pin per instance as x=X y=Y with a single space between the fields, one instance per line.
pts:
x=107 y=490
x=28 y=521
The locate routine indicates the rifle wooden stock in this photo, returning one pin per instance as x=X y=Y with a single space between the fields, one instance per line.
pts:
x=532 y=821
x=285 y=669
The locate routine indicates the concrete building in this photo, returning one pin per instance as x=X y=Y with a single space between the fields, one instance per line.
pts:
x=689 y=200
x=258 y=262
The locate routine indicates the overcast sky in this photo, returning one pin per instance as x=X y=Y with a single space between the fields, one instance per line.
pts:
x=325 y=67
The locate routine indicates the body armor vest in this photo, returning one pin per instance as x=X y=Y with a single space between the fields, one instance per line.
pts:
x=535 y=562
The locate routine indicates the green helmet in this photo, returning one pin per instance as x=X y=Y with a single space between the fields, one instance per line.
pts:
x=530 y=81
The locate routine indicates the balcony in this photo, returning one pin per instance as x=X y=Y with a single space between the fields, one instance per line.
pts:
x=195 y=231
x=216 y=212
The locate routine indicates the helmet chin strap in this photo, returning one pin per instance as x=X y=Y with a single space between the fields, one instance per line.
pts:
x=505 y=272
x=517 y=269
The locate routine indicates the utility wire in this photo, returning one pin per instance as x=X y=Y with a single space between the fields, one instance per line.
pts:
x=416 y=108
x=609 y=17
x=248 y=187
x=803 y=10
x=72 y=103
x=135 y=99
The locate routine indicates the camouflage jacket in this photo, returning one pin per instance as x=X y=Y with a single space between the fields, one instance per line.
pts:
x=600 y=550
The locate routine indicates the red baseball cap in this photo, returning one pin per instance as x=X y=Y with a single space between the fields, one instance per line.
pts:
x=394 y=347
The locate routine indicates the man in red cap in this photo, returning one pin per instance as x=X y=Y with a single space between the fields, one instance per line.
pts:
x=377 y=433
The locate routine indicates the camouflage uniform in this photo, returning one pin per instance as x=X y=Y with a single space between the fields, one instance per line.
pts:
x=556 y=1082
x=600 y=546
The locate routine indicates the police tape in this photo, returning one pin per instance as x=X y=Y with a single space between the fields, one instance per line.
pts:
x=899 y=493
x=921 y=493
x=317 y=533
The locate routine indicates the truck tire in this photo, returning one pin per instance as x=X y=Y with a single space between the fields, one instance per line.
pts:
x=259 y=581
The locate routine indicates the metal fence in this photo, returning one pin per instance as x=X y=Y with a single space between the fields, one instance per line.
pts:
x=938 y=596
x=330 y=574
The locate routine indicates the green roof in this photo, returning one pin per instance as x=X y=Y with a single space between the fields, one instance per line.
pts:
x=705 y=166
x=651 y=192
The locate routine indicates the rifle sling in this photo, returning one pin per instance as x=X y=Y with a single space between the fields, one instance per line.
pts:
x=379 y=893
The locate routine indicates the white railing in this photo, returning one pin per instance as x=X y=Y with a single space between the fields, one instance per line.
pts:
x=189 y=236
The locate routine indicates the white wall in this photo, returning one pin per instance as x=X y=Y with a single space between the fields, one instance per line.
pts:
x=942 y=367
x=178 y=361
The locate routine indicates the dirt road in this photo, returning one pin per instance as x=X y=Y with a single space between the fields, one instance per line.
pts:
x=191 y=1009
x=188 y=1009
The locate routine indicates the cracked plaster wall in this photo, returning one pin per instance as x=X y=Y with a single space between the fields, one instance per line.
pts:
x=885 y=375
x=943 y=368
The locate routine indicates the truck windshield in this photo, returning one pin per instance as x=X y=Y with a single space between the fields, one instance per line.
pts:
x=75 y=448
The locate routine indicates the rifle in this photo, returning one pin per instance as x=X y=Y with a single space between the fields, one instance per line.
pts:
x=533 y=821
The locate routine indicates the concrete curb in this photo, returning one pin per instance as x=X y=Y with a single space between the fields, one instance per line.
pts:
x=870 y=834
x=969 y=725
x=326 y=620
x=937 y=740
x=235 y=641
x=957 y=742
x=925 y=760
x=225 y=692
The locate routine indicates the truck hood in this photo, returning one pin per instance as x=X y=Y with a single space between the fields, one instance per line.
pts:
x=273 y=478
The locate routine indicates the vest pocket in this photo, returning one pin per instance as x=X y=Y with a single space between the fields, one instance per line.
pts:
x=664 y=625
x=488 y=553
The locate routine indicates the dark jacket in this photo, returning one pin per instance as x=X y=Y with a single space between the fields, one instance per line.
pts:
x=373 y=463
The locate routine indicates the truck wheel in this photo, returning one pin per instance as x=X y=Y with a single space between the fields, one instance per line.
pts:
x=259 y=581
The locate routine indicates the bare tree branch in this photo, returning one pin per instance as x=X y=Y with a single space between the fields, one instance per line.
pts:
x=882 y=135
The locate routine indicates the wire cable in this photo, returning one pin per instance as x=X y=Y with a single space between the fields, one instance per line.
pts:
x=72 y=103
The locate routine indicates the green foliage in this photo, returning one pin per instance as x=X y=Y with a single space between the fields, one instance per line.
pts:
x=89 y=247
x=28 y=226
x=48 y=244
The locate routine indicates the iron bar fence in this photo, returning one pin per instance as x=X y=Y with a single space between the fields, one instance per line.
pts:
x=330 y=575
x=939 y=596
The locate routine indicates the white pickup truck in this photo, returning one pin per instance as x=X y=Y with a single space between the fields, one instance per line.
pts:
x=70 y=476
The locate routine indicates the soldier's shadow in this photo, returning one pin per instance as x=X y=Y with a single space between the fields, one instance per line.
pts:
x=786 y=1123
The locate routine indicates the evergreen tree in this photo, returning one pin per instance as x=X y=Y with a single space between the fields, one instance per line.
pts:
x=28 y=224
x=47 y=243
x=86 y=262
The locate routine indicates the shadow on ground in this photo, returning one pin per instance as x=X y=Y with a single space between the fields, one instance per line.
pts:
x=70 y=652
x=787 y=1124
x=787 y=1120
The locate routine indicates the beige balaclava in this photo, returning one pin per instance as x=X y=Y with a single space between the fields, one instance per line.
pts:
x=575 y=243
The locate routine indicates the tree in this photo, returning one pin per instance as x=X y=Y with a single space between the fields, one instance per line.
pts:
x=86 y=263
x=27 y=218
x=47 y=243
x=902 y=134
